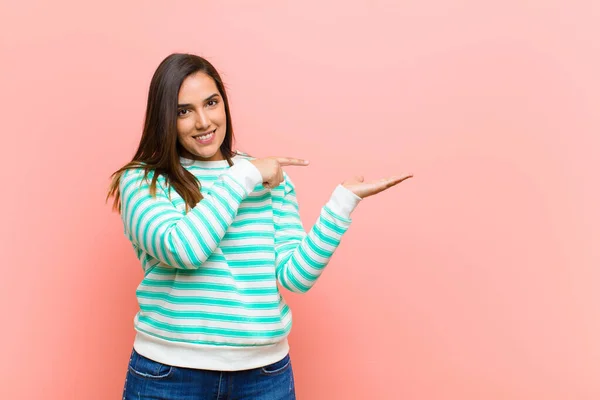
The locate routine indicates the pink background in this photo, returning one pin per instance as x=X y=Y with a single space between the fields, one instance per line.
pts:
x=477 y=279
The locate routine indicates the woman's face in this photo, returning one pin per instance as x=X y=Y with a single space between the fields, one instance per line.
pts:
x=201 y=118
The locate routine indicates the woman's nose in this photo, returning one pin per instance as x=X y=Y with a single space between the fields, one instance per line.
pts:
x=202 y=122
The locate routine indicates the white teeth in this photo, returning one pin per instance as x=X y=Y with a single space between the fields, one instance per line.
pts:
x=204 y=137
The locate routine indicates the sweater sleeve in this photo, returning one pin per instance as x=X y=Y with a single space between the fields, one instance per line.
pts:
x=300 y=258
x=183 y=241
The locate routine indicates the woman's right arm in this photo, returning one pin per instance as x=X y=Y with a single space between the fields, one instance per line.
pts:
x=183 y=241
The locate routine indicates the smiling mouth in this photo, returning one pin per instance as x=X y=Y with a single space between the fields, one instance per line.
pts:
x=205 y=136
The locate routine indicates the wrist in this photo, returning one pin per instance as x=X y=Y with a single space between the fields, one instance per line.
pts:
x=343 y=201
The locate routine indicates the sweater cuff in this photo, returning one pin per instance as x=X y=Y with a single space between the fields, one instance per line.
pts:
x=246 y=174
x=343 y=201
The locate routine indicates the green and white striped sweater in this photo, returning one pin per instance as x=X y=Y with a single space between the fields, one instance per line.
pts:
x=209 y=298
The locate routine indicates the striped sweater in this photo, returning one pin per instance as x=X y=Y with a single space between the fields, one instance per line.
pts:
x=209 y=298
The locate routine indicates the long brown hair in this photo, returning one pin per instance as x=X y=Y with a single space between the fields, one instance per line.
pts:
x=158 y=150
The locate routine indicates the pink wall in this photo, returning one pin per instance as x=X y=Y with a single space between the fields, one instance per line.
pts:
x=477 y=279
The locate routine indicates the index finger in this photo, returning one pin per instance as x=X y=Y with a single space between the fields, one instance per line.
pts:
x=291 y=161
x=386 y=183
x=393 y=181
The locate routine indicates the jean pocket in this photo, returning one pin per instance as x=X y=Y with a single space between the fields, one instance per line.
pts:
x=277 y=367
x=147 y=368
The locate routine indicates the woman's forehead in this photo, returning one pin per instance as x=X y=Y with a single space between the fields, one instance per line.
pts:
x=197 y=87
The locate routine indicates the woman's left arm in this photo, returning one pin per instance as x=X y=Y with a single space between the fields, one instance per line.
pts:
x=300 y=258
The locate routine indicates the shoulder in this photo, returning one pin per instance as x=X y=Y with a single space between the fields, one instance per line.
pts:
x=140 y=177
x=136 y=174
x=240 y=155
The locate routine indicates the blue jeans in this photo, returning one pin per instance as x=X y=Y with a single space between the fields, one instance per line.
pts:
x=147 y=379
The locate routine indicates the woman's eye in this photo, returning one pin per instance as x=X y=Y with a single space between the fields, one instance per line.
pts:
x=212 y=103
x=182 y=112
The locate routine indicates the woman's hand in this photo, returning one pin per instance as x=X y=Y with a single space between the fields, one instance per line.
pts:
x=365 y=189
x=271 y=168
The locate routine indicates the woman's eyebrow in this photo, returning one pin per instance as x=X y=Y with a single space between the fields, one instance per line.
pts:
x=212 y=96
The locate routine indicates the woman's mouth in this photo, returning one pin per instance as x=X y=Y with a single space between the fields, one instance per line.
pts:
x=205 y=138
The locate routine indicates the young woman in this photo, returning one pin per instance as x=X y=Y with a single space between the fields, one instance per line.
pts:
x=216 y=231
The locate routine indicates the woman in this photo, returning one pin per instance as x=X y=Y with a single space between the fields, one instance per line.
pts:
x=215 y=231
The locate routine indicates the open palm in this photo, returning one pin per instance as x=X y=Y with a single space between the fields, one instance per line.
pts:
x=364 y=189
